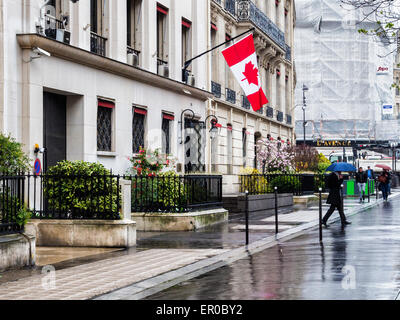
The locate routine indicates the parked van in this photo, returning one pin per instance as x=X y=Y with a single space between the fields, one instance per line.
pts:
x=338 y=157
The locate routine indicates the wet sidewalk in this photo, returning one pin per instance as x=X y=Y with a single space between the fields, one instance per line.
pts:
x=158 y=258
x=359 y=261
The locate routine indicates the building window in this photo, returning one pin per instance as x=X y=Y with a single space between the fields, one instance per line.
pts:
x=214 y=53
x=138 y=129
x=186 y=42
x=96 y=16
x=134 y=13
x=244 y=146
x=166 y=127
x=104 y=125
x=229 y=146
x=162 y=37
x=97 y=39
x=397 y=87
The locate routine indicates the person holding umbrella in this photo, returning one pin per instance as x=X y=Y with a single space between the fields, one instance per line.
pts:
x=384 y=180
x=335 y=198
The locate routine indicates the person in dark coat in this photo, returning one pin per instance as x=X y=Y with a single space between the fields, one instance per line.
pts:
x=334 y=183
x=361 y=179
x=384 y=184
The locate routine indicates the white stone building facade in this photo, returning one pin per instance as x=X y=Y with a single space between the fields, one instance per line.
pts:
x=89 y=99
x=93 y=80
x=273 y=21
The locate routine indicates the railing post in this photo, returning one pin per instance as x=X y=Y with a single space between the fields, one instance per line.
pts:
x=320 y=214
x=247 y=216
x=376 y=191
x=276 y=210
x=369 y=186
x=126 y=208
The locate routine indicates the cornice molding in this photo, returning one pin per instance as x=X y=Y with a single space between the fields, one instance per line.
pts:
x=83 y=57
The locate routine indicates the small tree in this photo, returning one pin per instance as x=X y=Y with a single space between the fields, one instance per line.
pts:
x=273 y=156
x=12 y=158
x=306 y=158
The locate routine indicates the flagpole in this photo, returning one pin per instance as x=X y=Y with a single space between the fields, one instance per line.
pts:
x=187 y=63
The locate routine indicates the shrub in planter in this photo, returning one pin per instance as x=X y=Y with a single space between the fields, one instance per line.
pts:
x=253 y=181
x=285 y=184
x=171 y=190
x=81 y=189
x=164 y=192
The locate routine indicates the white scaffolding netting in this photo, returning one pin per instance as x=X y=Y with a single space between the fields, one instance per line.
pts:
x=341 y=68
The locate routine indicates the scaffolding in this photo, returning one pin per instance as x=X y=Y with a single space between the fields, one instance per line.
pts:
x=349 y=75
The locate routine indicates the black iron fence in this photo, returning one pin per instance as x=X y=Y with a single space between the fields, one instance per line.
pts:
x=175 y=193
x=11 y=202
x=297 y=184
x=60 y=197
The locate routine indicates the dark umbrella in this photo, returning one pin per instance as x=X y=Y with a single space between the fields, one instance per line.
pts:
x=341 y=166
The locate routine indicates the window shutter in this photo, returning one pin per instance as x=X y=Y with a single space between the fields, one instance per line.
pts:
x=106 y=104
x=168 y=116
x=162 y=9
x=141 y=111
x=186 y=23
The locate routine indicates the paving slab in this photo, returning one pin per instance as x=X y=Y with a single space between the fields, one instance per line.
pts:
x=88 y=280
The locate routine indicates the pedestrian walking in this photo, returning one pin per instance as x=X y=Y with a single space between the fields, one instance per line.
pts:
x=383 y=180
x=370 y=173
x=361 y=179
x=335 y=199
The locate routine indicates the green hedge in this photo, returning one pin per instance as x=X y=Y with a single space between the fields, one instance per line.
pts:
x=82 y=189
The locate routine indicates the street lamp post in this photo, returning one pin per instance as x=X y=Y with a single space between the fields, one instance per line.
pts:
x=305 y=88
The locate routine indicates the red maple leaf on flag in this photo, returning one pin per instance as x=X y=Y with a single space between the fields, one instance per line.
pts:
x=251 y=73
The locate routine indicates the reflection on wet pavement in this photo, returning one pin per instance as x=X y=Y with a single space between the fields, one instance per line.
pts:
x=361 y=261
x=53 y=255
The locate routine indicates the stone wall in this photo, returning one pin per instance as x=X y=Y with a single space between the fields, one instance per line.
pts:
x=16 y=251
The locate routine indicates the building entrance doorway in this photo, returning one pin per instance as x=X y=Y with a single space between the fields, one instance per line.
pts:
x=54 y=128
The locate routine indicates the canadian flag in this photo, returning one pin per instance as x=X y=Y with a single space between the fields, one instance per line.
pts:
x=242 y=60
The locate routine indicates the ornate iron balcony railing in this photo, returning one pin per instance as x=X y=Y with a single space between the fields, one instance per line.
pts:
x=216 y=89
x=270 y=112
x=279 y=116
x=245 y=102
x=230 y=95
x=288 y=54
x=248 y=11
x=230 y=6
x=97 y=44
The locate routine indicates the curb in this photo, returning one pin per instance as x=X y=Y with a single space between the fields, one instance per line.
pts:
x=169 y=279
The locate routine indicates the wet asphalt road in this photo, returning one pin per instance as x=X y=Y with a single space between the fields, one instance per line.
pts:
x=361 y=261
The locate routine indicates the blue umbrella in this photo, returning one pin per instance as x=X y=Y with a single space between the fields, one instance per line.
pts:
x=341 y=166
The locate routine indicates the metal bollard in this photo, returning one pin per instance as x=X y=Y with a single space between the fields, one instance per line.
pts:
x=320 y=214
x=276 y=209
x=369 y=186
x=376 y=191
x=247 y=217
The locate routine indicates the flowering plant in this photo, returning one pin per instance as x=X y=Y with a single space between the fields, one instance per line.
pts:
x=274 y=156
x=150 y=163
